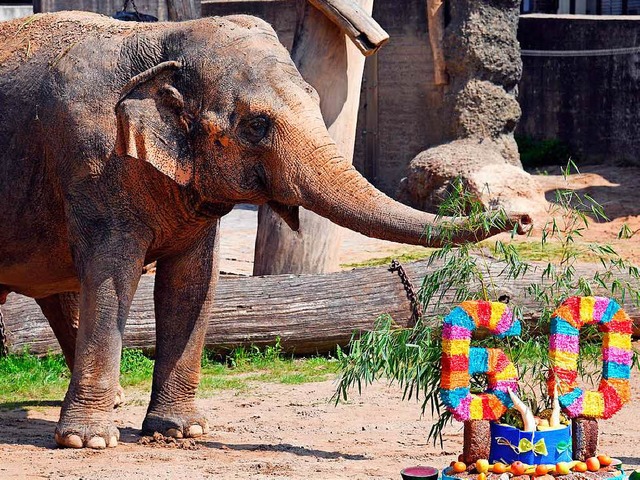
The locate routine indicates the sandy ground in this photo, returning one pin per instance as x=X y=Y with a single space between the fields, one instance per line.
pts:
x=271 y=432
x=295 y=432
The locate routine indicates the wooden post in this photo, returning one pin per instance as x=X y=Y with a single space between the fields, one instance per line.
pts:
x=333 y=65
x=435 y=22
x=183 y=9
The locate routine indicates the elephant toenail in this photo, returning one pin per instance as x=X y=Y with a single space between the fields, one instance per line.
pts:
x=97 y=443
x=195 y=431
x=175 y=433
x=71 y=441
x=113 y=442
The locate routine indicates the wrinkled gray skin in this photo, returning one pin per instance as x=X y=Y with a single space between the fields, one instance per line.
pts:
x=122 y=144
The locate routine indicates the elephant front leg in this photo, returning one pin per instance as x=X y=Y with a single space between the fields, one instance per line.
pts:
x=109 y=275
x=184 y=290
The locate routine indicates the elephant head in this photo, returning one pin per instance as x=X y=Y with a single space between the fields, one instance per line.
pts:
x=227 y=116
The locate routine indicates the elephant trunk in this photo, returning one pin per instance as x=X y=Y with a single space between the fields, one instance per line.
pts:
x=329 y=186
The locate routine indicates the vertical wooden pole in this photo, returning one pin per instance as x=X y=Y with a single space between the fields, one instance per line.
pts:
x=179 y=10
x=333 y=65
x=435 y=22
x=371 y=119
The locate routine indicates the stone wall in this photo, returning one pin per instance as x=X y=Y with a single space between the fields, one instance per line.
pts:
x=589 y=102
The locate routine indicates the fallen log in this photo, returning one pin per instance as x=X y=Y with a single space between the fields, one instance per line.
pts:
x=310 y=313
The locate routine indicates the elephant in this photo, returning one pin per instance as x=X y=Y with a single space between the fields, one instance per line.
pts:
x=124 y=143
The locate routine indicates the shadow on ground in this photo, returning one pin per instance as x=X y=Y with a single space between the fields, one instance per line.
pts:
x=284 y=447
x=617 y=192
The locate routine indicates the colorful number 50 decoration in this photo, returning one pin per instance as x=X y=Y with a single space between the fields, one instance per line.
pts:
x=460 y=360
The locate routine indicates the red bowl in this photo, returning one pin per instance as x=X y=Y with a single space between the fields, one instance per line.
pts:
x=419 y=472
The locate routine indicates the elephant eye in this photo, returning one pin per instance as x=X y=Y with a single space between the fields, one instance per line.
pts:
x=256 y=129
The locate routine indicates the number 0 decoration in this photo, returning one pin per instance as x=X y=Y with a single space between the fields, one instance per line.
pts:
x=460 y=361
x=614 y=389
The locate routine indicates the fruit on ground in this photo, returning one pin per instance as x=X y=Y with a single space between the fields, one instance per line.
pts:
x=580 y=467
x=541 y=470
x=593 y=464
x=518 y=468
x=499 y=468
x=482 y=476
x=459 y=467
x=563 y=468
x=605 y=460
x=482 y=465
x=635 y=475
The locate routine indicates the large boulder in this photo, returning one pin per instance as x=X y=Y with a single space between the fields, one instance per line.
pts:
x=483 y=171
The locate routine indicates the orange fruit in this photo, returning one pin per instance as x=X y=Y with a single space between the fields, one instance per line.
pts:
x=459 y=467
x=593 y=464
x=499 y=468
x=605 y=460
x=482 y=476
x=541 y=470
x=580 y=467
x=562 y=468
x=518 y=468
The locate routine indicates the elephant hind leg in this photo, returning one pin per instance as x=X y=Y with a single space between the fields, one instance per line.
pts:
x=63 y=313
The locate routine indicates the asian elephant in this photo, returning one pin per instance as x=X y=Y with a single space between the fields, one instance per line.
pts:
x=123 y=143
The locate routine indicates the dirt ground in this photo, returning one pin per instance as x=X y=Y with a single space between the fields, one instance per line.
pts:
x=294 y=432
x=271 y=432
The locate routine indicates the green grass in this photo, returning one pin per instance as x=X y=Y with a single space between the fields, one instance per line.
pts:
x=403 y=256
x=530 y=251
x=27 y=378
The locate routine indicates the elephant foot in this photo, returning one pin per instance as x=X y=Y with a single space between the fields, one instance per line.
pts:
x=187 y=425
x=120 y=397
x=98 y=434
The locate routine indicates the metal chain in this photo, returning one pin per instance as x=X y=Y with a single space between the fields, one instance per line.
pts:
x=133 y=4
x=412 y=296
x=4 y=344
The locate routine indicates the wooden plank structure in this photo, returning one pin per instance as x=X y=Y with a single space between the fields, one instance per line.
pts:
x=310 y=313
x=328 y=50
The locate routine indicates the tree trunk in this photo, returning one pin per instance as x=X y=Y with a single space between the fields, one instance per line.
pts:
x=310 y=313
x=333 y=65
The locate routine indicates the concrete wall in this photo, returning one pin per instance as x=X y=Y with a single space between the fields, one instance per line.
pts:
x=409 y=104
x=8 y=12
x=589 y=102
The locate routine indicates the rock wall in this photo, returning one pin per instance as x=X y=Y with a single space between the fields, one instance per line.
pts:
x=587 y=101
x=483 y=62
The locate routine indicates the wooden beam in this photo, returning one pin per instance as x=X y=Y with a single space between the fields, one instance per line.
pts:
x=355 y=22
x=180 y=10
x=435 y=22
x=310 y=313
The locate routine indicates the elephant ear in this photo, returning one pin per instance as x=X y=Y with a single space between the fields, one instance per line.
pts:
x=151 y=123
